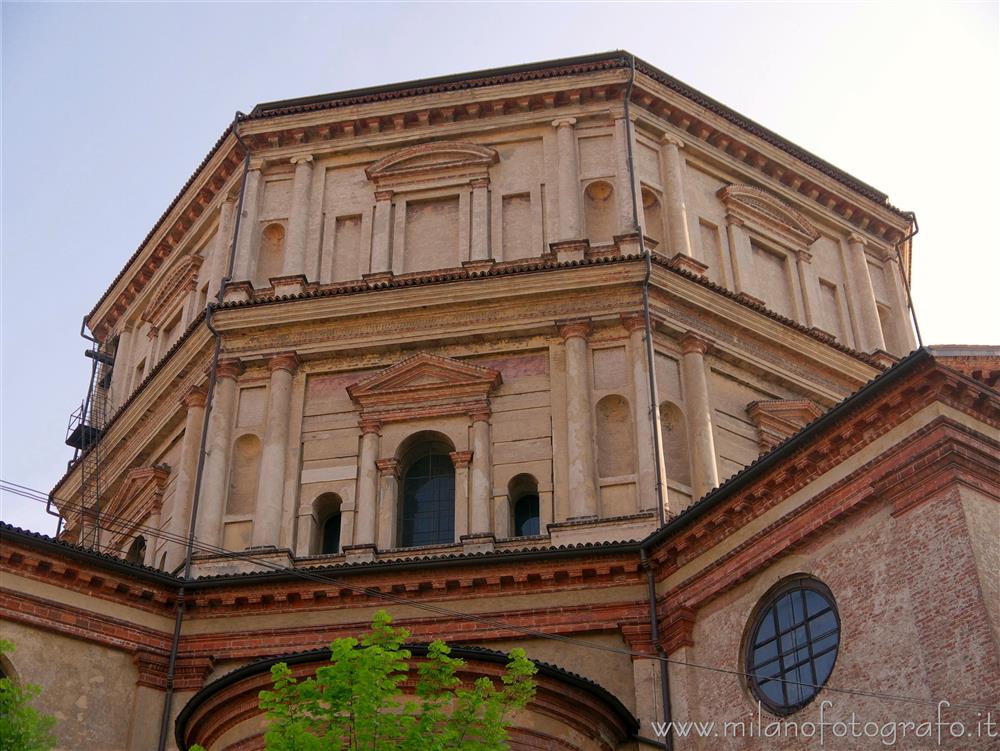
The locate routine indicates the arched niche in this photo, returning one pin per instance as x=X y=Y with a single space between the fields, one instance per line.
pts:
x=652 y=212
x=599 y=211
x=615 y=437
x=675 y=444
x=244 y=469
x=271 y=255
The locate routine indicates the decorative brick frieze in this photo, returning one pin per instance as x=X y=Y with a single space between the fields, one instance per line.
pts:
x=190 y=670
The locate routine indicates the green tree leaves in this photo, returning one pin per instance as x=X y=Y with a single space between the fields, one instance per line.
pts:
x=22 y=727
x=357 y=702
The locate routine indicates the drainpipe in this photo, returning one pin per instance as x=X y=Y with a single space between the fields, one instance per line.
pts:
x=650 y=356
x=668 y=740
x=654 y=632
x=906 y=276
x=168 y=696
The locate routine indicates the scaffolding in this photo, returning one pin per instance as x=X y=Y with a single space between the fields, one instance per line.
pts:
x=86 y=426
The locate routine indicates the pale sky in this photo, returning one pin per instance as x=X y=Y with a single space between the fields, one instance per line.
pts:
x=108 y=109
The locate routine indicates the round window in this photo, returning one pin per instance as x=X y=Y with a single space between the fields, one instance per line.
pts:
x=793 y=645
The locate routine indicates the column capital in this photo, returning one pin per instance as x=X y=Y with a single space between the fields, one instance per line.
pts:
x=194 y=397
x=230 y=368
x=855 y=239
x=670 y=139
x=257 y=164
x=692 y=342
x=301 y=159
x=153 y=331
x=383 y=195
x=564 y=122
x=285 y=361
x=578 y=327
x=461 y=459
x=734 y=221
x=479 y=182
x=370 y=425
x=633 y=321
x=480 y=413
x=388 y=466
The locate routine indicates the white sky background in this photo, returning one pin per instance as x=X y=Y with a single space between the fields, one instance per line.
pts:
x=108 y=109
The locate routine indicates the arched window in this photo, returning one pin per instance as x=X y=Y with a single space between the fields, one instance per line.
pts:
x=523 y=493
x=652 y=213
x=271 y=258
x=428 y=494
x=600 y=212
x=326 y=509
x=137 y=550
x=675 y=443
x=615 y=442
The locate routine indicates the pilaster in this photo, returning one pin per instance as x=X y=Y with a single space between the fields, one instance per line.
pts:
x=704 y=471
x=270 y=487
x=569 y=180
x=582 y=467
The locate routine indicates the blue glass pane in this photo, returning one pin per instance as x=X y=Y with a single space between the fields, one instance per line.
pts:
x=824 y=666
x=825 y=624
x=794 y=638
x=766 y=630
x=765 y=653
x=769 y=670
x=786 y=615
x=825 y=643
x=815 y=602
x=772 y=690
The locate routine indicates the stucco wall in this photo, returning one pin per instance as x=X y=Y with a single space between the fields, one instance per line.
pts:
x=89 y=689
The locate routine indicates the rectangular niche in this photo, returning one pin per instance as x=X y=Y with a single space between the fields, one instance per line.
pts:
x=516 y=230
x=830 y=309
x=346 y=248
x=770 y=271
x=431 y=234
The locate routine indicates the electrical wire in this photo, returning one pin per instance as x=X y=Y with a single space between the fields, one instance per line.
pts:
x=40 y=497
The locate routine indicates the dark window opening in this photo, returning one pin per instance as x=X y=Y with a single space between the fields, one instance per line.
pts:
x=137 y=550
x=526 y=520
x=331 y=535
x=428 y=516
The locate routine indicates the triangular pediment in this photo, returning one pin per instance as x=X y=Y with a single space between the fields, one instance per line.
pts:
x=424 y=378
x=175 y=283
x=439 y=159
x=748 y=202
x=139 y=495
x=777 y=420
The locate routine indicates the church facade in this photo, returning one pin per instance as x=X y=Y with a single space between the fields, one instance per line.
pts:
x=565 y=356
